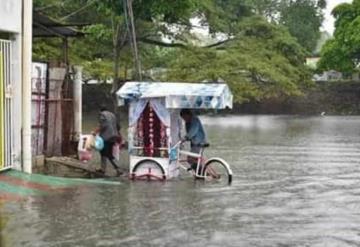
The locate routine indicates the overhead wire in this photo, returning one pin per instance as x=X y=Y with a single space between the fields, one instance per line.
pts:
x=78 y=10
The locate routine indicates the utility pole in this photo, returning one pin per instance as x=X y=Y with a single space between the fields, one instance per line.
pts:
x=128 y=12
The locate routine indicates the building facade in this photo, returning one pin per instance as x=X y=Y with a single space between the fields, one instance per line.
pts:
x=14 y=63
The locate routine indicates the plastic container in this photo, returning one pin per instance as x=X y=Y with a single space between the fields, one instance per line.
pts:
x=84 y=152
x=99 y=143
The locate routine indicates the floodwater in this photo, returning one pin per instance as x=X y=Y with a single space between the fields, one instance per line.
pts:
x=297 y=183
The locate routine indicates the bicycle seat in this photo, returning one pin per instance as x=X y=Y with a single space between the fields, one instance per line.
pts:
x=204 y=145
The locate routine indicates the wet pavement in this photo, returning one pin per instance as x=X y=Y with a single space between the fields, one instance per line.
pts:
x=297 y=183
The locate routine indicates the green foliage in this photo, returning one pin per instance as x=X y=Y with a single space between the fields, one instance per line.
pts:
x=270 y=9
x=98 y=69
x=148 y=10
x=342 y=53
x=47 y=50
x=262 y=61
x=333 y=57
x=259 y=60
x=224 y=15
x=107 y=37
x=303 y=18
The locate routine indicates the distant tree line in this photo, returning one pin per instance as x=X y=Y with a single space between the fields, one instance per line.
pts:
x=342 y=52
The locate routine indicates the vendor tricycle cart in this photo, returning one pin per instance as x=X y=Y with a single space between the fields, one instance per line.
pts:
x=154 y=132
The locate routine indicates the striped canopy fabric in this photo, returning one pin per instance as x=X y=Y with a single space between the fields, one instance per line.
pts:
x=178 y=95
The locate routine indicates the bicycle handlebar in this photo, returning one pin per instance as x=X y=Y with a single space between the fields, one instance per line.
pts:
x=179 y=143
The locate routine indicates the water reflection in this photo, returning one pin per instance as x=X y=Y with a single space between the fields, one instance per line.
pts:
x=296 y=184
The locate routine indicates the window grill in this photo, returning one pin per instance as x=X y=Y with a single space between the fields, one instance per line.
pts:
x=6 y=133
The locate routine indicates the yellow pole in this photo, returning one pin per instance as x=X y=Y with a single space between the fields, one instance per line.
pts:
x=2 y=155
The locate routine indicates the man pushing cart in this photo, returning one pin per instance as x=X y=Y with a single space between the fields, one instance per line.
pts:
x=154 y=132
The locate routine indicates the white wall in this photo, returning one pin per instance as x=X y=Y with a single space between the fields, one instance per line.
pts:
x=10 y=15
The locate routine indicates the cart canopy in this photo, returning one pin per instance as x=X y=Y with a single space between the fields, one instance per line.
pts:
x=178 y=95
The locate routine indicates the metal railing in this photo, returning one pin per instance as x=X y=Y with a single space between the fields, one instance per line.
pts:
x=6 y=121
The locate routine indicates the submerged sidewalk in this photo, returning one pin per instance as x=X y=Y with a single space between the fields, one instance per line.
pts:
x=15 y=185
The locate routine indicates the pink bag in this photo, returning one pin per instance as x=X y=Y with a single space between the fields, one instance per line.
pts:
x=84 y=149
x=85 y=155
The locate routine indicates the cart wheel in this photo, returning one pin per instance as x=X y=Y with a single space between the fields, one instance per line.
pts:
x=217 y=171
x=148 y=170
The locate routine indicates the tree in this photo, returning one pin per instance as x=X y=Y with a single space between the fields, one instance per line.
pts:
x=93 y=51
x=109 y=32
x=262 y=60
x=258 y=59
x=342 y=53
x=223 y=15
x=270 y=9
x=303 y=18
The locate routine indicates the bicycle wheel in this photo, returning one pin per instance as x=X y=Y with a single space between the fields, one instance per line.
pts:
x=217 y=170
x=148 y=170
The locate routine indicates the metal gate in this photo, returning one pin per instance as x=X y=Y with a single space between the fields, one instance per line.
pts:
x=6 y=137
x=38 y=105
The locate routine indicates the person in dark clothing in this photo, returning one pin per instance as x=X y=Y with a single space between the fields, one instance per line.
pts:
x=108 y=130
x=195 y=133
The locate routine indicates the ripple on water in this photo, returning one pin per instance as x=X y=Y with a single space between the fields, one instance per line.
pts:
x=296 y=184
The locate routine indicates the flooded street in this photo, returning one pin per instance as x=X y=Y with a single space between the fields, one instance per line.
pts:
x=296 y=183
